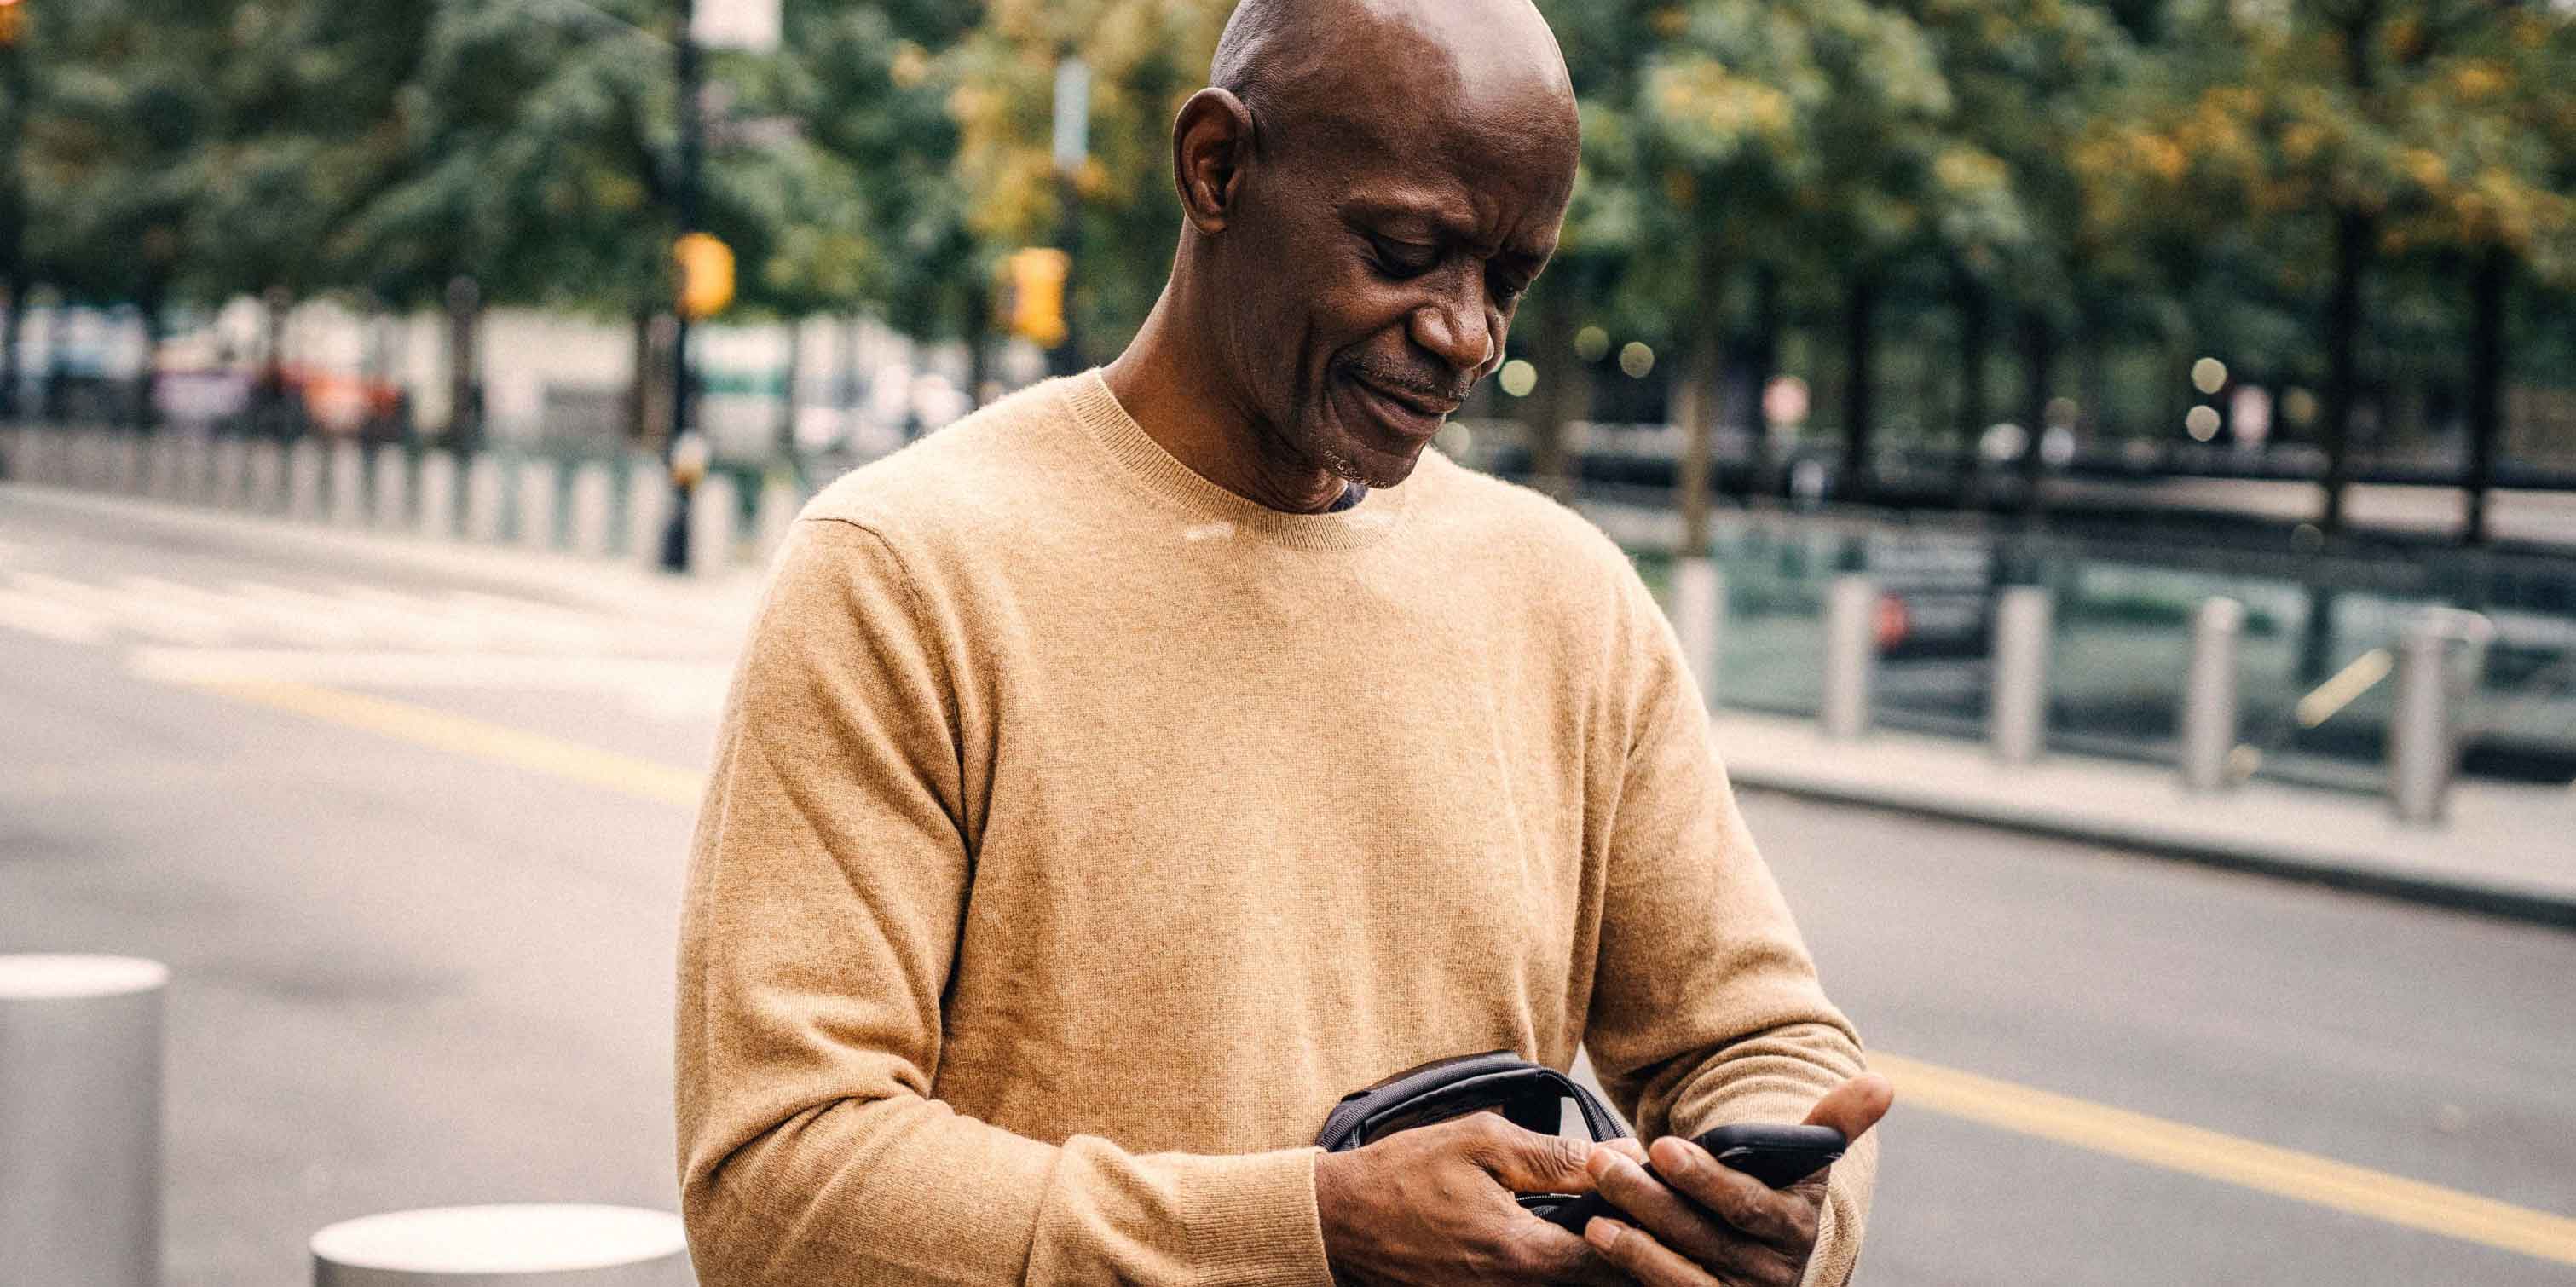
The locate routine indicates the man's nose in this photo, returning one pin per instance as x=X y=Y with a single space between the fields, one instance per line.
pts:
x=1457 y=328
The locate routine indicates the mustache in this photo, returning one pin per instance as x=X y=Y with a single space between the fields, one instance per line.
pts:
x=1430 y=388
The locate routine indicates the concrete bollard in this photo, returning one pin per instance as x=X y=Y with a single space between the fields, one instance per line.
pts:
x=438 y=494
x=713 y=510
x=80 y=1120
x=648 y=508
x=2209 y=695
x=1851 y=654
x=305 y=465
x=506 y=1246
x=781 y=500
x=540 y=487
x=390 y=468
x=266 y=492
x=348 y=484
x=2423 y=752
x=1699 y=619
x=2017 y=713
x=593 y=508
x=483 y=499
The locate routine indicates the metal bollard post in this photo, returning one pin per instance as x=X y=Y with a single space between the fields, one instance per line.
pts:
x=712 y=517
x=2421 y=752
x=1699 y=619
x=593 y=506
x=483 y=499
x=438 y=494
x=392 y=471
x=2209 y=694
x=648 y=507
x=2017 y=716
x=80 y=1120
x=539 y=481
x=348 y=485
x=1851 y=654
x=506 y=1246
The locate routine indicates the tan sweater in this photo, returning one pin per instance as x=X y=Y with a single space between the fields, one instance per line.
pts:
x=1081 y=831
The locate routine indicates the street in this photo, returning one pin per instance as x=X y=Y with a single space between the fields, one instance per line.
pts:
x=410 y=835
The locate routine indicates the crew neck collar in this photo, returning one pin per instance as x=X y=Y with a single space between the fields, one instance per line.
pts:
x=1379 y=513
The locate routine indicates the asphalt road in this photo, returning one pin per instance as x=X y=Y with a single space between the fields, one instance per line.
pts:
x=422 y=958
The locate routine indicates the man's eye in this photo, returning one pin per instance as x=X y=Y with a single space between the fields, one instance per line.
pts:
x=1507 y=292
x=1401 y=259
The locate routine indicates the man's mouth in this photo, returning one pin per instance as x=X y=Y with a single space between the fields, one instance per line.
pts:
x=1408 y=408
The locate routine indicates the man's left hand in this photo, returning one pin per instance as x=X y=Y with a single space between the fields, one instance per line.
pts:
x=1704 y=1223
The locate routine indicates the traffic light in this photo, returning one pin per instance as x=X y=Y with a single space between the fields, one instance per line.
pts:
x=706 y=275
x=1036 y=294
x=13 y=22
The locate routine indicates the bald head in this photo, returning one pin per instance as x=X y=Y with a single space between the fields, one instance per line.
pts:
x=1339 y=71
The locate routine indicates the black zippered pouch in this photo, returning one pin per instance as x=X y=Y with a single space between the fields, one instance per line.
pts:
x=1530 y=1096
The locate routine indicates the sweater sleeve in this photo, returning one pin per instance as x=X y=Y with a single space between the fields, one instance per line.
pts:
x=1705 y=1006
x=828 y=877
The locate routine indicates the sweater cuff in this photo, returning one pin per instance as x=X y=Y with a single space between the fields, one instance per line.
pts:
x=1252 y=1220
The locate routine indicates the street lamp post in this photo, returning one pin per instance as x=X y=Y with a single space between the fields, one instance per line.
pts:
x=675 y=547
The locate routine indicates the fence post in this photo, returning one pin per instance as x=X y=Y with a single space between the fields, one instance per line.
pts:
x=80 y=1120
x=2209 y=694
x=712 y=517
x=1851 y=653
x=304 y=479
x=540 y=479
x=2017 y=716
x=1699 y=618
x=593 y=506
x=505 y=1246
x=648 y=508
x=437 y=513
x=392 y=470
x=348 y=485
x=2423 y=750
x=483 y=498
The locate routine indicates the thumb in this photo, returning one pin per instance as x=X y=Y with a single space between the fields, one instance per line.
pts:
x=1525 y=1161
x=1854 y=1106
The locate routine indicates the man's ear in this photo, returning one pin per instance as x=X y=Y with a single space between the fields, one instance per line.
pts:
x=1211 y=142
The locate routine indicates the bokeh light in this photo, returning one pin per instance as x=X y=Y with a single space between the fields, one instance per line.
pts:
x=1590 y=343
x=1518 y=377
x=1636 y=359
x=2209 y=375
x=2201 y=422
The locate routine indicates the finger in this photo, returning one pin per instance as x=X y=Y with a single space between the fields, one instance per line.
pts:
x=1550 y=1254
x=1656 y=1208
x=1645 y=1259
x=1779 y=1218
x=1633 y=1150
x=1525 y=1161
x=1854 y=1106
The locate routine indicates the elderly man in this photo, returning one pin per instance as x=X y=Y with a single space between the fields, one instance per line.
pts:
x=1119 y=776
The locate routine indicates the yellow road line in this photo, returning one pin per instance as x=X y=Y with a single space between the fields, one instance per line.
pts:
x=2002 y=1105
x=465 y=736
x=2228 y=1159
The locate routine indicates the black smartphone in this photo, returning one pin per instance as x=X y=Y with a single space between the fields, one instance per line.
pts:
x=1778 y=1156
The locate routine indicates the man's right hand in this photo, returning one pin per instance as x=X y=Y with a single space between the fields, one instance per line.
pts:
x=1434 y=1205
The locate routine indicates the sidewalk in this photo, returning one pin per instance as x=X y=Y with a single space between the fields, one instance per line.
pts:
x=2507 y=850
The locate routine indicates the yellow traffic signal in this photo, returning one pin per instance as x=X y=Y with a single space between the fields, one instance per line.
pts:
x=706 y=275
x=1037 y=294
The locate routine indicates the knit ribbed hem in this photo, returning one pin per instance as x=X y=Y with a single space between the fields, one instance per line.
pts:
x=1253 y=1222
x=1376 y=517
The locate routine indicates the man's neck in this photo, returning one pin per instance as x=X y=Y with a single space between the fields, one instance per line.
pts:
x=1168 y=385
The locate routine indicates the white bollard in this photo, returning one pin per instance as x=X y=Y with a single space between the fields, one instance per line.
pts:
x=125 y=463
x=348 y=484
x=483 y=499
x=780 y=501
x=1851 y=654
x=540 y=483
x=304 y=468
x=2422 y=753
x=593 y=508
x=392 y=472
x=2017 y=716
x=2209 y=694
x=1699 y=618
x=80 y=1120
x=713 y=511
x=228 y=474
x=196 y=470
x=648 y=508
x=506 y=1246
x=161 y=471
x=438 y=494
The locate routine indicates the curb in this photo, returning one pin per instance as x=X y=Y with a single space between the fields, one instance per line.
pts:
x=2527 y=906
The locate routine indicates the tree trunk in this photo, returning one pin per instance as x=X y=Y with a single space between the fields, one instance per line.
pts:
x=979 y=336
x=1860 y=318
x=2039 y=379
x=2488 y=290
x=1561 y=383
x=1703 y=379
x=151 y=300
x=642 y=374
x=794 y=373
x=2354 y=231
x=1975 y=334
x=13 y=294
x=464 y=365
